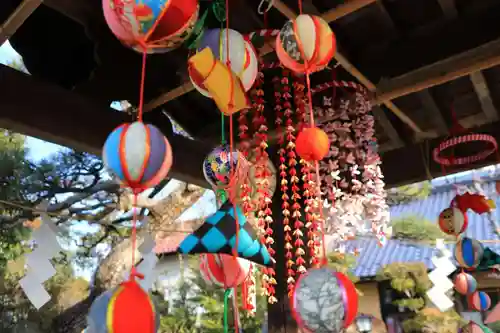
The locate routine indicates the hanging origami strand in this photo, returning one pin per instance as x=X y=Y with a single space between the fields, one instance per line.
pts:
x=40 y=269
x=264 y=218
x=307 y=177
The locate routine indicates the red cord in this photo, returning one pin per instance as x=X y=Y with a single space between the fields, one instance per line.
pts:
x=141 y=88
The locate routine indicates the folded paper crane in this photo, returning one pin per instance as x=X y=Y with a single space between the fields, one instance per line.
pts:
x=218 y=235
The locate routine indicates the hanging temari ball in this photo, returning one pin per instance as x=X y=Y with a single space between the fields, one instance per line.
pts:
x=479 y=301
x=305 y=44
x=138 y=154
x=220 y=164
x=242 y=55
x=156 y=25
x=453 y=221
x=324 y=301
x=125 y=309
x=224 y=270
x=465 y=283
x=312 y=144
x=468 y=252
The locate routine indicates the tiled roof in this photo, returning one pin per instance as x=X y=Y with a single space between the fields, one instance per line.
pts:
x=169 y=244
x=372 y=257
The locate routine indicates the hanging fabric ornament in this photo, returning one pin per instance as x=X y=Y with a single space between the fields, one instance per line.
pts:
x=218 y=235
x=472 y=327
x=468 y=252
x=453 y=221
x=138 y=154
x=125 y=309
x=242 y=56
x=306 y=44
x=312 y=144
x=479 y=301
x=224 y=270
x=154 y=26
x=220 y=164
x=465 y=284
x=223 y=85
x=324 y=301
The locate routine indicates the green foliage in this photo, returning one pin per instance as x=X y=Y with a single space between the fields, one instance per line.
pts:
x=407 y=193
x=193 y=293
x=433 y=320
x=417 y=229
x=410 y=279
x=495 y=327
x=343 y=263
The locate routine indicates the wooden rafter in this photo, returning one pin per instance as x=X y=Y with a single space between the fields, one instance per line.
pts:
x=66 y=118
x=477 y=59
x=483 y=93
x=17 y=18
x=429 y=103
x=343 y=10
x=395 y=141
x=449 y=8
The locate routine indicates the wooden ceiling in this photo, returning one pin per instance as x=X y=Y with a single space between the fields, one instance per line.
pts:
x=419 y=58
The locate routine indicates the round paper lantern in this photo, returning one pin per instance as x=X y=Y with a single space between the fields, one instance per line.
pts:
x=158 y=25
x=306 y=44
x=312 y=144
x=242 y=55
x=465 y=283
x=453 y=221
x=324 y=301
x=219 y=165
x=125 y=309
x=479 y=301
x=468 y=252
x=224 y=270
x=138 y=154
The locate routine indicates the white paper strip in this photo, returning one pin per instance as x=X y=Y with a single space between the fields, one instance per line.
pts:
x=40 y=269
x=439 y=278
x=439 y=299
x=35 y=291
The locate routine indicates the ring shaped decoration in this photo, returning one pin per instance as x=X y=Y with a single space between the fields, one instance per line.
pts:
x=455 y=141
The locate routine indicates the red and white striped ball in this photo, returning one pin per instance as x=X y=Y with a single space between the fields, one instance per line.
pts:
x=465 y=284
x=224 y=270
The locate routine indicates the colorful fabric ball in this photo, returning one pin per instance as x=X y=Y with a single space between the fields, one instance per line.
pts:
x=453 y=221
x=158 y=25
x=468 y=252
x=224 y=270
x=479 y=301
x=220 y=164
x=125 y=309
x=306 y=44
x=324 y=301
x=473 y=327
x=138 y=154
x=312 y=144
x=242 y=55
x=465 y=284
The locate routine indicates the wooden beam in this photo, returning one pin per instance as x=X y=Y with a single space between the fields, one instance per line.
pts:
x=429 y=103
x=345 y=9
x=483 y=93
x=380 y=117
x=406 y=165
x=449 y=8
x=17 y=18
x=480 y=58
x=63 y=117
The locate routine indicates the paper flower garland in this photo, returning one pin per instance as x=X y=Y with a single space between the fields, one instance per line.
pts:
x=351 y=171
